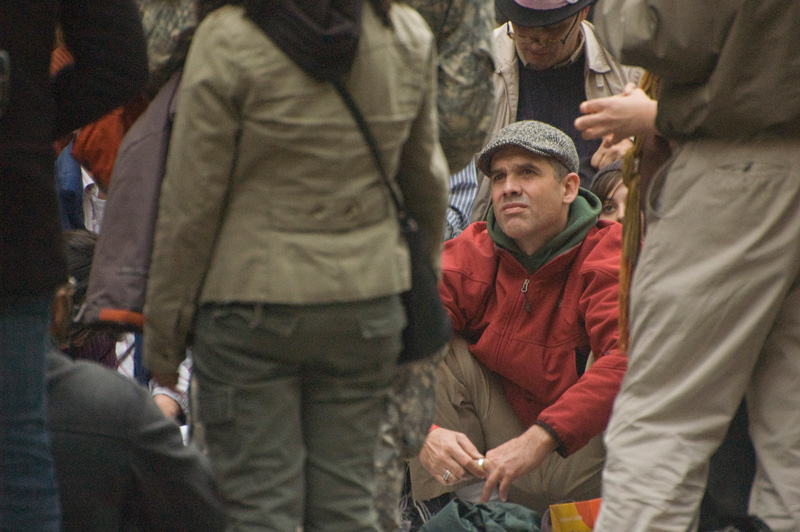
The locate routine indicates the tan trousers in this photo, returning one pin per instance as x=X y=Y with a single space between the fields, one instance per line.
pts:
x=715 y=308
x=470 y=399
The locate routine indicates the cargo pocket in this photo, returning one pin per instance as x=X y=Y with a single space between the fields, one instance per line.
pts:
x=382 y=320
x=212 y=415
x=382 y=317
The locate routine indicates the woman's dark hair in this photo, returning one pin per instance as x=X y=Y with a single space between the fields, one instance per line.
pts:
x=606 y=180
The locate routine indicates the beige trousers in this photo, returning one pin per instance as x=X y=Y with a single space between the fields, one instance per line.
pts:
x=715 y=308
x=470 y=399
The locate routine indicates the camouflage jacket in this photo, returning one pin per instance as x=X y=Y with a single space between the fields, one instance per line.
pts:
x=463 y=32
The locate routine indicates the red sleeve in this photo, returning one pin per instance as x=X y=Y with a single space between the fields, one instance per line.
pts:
x=466 y=281
x=583 y=411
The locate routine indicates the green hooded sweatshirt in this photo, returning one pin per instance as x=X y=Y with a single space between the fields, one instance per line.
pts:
x=583 y=214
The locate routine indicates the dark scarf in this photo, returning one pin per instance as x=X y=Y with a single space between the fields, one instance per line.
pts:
x=321 y=36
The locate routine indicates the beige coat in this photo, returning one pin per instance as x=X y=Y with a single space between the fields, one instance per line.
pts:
x=271 y=193
x=604 y=77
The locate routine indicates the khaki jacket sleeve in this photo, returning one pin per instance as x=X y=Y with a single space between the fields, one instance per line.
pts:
x=198 y=174
x=679 y=40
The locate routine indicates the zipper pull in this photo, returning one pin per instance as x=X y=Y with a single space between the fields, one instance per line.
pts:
x=525 y=291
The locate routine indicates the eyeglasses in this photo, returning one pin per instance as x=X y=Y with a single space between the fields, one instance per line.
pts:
x=548 y=39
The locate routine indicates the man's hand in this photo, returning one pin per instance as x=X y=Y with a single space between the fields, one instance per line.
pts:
x=608 y=152
x=447 y=450
x=506 y=463
x=623 y=115
x=169 y=406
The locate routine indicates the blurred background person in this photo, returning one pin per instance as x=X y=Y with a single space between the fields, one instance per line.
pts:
x=731 y=469
x=110 y=66
x=465 y=103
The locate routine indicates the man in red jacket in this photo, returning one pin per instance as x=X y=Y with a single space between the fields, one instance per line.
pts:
x=532 y=293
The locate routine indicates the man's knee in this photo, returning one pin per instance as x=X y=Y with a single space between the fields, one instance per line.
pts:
x=461 y=378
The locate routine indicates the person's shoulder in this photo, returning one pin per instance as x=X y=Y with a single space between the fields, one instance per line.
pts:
x=602 y=247
x=472 y=247
x=601 y=60
x=504 y=51
x=90 y=398
x=408 y=23
x=605 y=232
x=597 y=55
x=475 y=234
x=227 y=25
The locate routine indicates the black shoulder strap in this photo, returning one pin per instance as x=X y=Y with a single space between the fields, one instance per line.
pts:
x=373 y=145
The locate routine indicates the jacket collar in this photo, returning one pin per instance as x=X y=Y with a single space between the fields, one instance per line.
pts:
x=506 y=53
x=320 y=36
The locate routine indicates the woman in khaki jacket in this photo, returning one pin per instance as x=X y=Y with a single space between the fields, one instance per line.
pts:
x=278 y=250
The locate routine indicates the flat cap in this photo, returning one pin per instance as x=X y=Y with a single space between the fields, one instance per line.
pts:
x=536 y=137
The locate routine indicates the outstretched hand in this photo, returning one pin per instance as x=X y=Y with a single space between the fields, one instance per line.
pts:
x=608 y=152
x=447 y=450
x=168 y=406
x=621 y=116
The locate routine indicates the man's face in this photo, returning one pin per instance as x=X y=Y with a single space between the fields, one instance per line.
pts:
x=530 y=205
x=542 y=47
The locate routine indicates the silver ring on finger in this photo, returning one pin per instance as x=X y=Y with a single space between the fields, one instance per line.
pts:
x=446 y=475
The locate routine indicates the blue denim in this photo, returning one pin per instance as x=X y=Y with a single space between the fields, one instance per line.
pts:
x=69 y=185
x=28 y=496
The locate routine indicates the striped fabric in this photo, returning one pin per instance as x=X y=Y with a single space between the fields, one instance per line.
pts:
x=463 y=188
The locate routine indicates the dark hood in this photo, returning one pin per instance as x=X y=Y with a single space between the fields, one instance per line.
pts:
x=320 y=36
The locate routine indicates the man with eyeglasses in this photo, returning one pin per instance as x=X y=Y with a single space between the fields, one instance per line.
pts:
x=548 y=60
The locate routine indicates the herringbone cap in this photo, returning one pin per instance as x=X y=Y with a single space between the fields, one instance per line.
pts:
x=536 y=137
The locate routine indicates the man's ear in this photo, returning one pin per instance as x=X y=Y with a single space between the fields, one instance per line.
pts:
x=571 y=183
